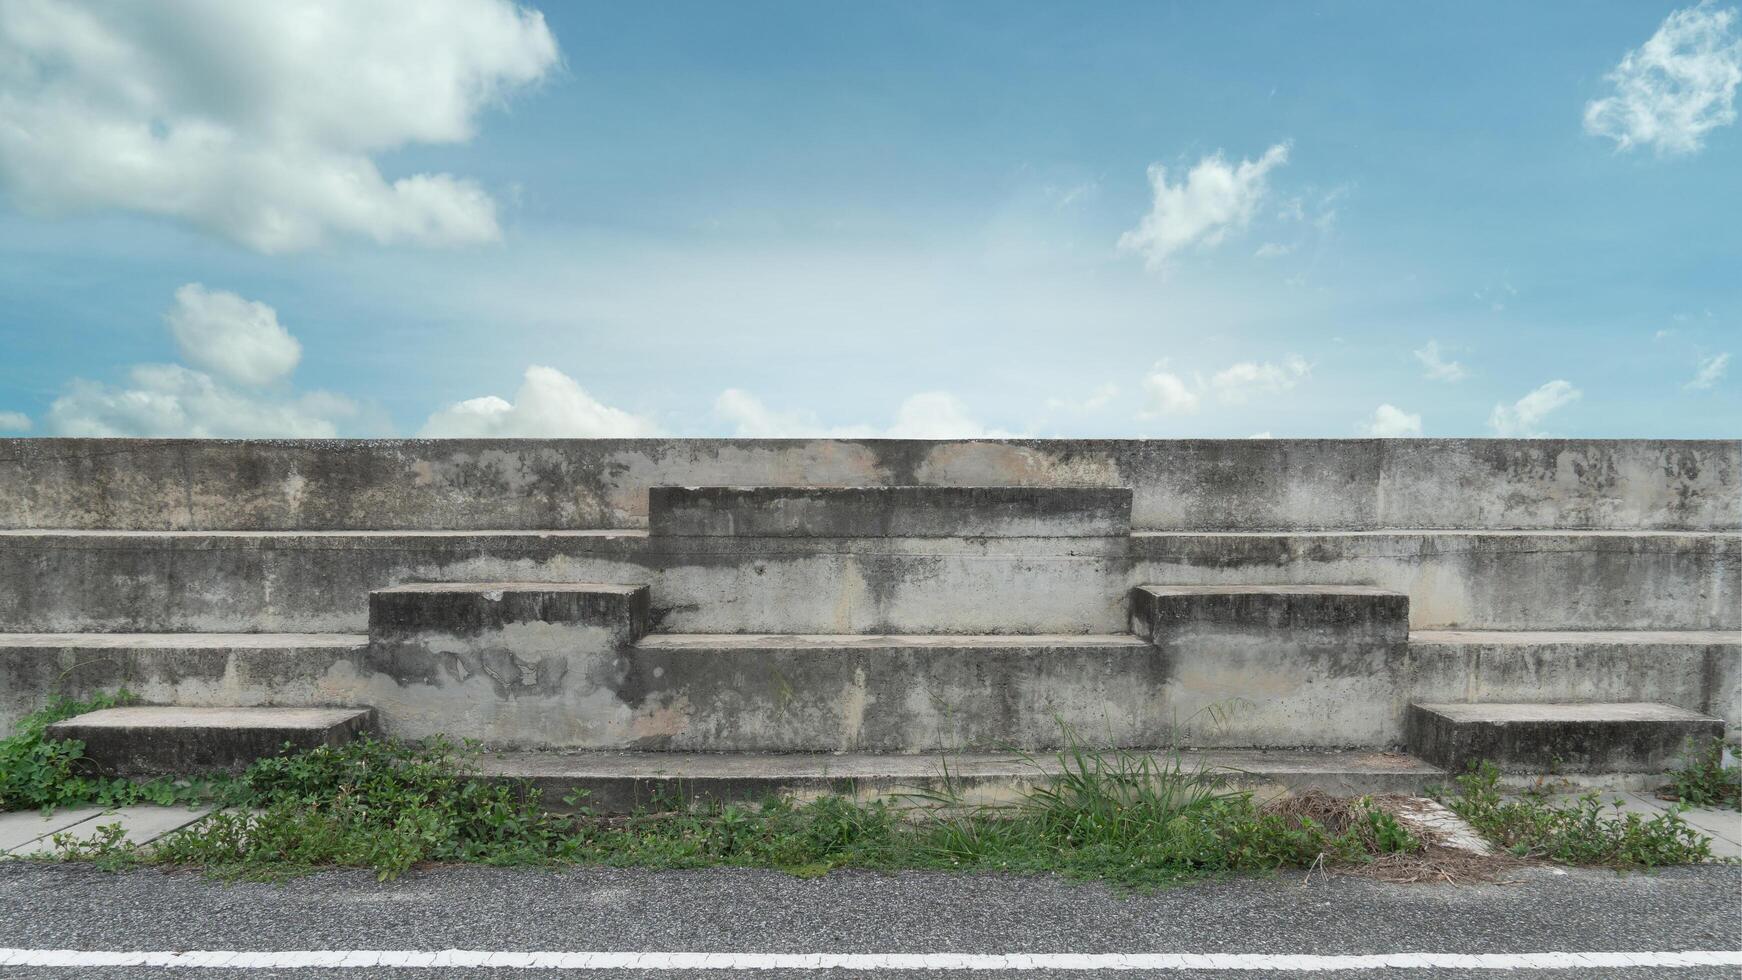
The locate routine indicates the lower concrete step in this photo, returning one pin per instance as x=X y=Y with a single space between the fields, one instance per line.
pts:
x=1700 y=670
x=1572 y=738
x=618 y=782
x=152 y=740
x=206 y=669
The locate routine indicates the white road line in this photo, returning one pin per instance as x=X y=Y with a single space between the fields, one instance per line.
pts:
x=412 y=959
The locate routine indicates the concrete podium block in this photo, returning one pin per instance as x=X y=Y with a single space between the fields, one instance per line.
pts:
x=1281 y=666
x=473 y=608
x=1568 y=738
x=511 y=663
x=149 y=740
x=890 y=512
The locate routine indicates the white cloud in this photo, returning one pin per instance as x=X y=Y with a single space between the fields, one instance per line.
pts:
x=549 y=404
x=1677 y=86
x=1391 y=422
x=1271 y=250
x=1711 y=371
x=171 y=400
x=1439 y=369
x=237 y=338
x=1237 y=383
x=1168 y=394
x=1098 y=399
x=230 y=336
x=1214 y=199
x=1522 y=417
x=14 y=422
x=1261 y=435
x=259 y=121
x=927 y=415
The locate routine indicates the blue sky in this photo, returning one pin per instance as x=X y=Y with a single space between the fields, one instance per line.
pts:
x=870 y=219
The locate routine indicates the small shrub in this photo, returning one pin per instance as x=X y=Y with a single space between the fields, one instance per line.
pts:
x=39 y=773
x=1706 y=781
x=1587 y=832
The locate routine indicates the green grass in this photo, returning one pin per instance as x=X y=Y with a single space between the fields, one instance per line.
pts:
x=1137 y=819
x=1587 y=831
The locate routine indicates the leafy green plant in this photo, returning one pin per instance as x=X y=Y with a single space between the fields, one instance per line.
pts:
x=1706 y=780
x=37 y=772
x=1585 y=832
x=381 y=804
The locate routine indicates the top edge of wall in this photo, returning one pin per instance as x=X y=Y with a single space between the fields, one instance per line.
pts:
x=1178 y=484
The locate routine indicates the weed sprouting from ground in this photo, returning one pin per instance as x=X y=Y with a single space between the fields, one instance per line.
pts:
x=1587 y=832
x=1139 y=819
x=1706 y=780
x=40 y=773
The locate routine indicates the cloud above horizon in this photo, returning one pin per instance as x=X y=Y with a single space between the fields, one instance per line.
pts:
x=245 y=393
x=927 y=415
x=1524 y=418
x=549 y=404
x=1676 y=87
x=1215 y=199
x=260 y=123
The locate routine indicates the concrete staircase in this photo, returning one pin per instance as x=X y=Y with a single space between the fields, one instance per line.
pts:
x=1239 y=602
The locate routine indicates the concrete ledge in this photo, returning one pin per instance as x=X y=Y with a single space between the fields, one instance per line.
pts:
x=471 y=608
x=1178 y=484
x=890 y=512
x=622 y=781
x=1574 y=738
x=139 y=741
x=1700 y=670
x=204 y=669
x=82 y=581
x=1355 y=613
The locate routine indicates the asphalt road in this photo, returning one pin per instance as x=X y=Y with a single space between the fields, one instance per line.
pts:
x=47 y=906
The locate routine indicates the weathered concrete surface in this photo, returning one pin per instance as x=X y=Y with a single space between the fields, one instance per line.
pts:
x=1574 y=738
x=318 y=582
x=1541 y=580
x=1192 y=485
x=206 y=669
x=471 y=609
x=618 y=782
x=151 y=740
x=538 y=686
x=512 y=663
x=890 y=512
x=1700 y=670
x=836 y=692
x=1279 y=665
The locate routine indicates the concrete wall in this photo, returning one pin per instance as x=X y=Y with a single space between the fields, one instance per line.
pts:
x=314 y=582
x=1226 y=484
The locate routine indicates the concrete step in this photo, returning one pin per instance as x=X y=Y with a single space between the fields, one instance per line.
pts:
x=151 y=740
x=1605 y=737
x=475 y=608
x=883 y=693
x=1700 y=670
x=199 y=581
x=1279 y=665
x=200 y=669
x=621 y=781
